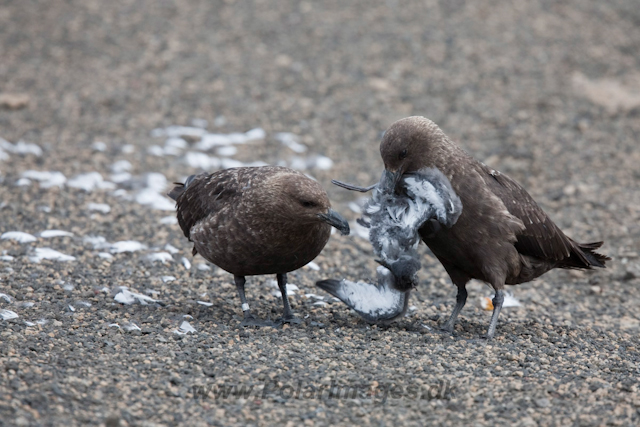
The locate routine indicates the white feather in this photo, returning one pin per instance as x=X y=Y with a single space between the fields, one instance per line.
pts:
x=368 y=298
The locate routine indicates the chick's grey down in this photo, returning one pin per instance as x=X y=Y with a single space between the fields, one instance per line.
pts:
x=256 y=220
x=394 y=221
x=501 y=237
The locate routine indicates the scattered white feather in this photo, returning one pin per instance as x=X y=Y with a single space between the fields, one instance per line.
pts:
x=227 y=151
x=120 y=177
x=105 y=255
x=45 y=178
x=8 y=314
x=154 y=200
x=48 y=253
x=126 y=246
x=114 y=325
x=100 y=207
x=29 y=324
x=509 y=301
x=176 y=142
x=131 y=327
x=203 y=161
x=156 y=150
x=125 y=296
x=169 y=220
x=298 y=163
x=167 y=279
x=312 y=265
x=163 y=257
x=291 y=288
x=200 y=123
x=99 y=146
x=90 y=181
x=231 y=163
x=172 y=151
x=21 y=147
x=185 y=328
x=6 y=297
x=128 y=148
x=171 y=249
x=55 y=233
x=6 y=258
x=98 y=242
x=210 y=140
x=68 y=287
x=198 y=160
x=152 y=195
x=320 y=303
x=207 y=304
x=323 y=163
x=311 y=162
x=156 y=181
x=178 y=131
x=202 y=266
x=72 y=308
x=255 y=134
x=18 y=236
x=122 y=193
x=257 y=163
x=291 y=140
x=83 y=303
x=42 y=321
x=186 y=263
x=121 y=166
x=23 y=182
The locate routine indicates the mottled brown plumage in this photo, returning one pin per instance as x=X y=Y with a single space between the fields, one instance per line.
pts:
x=256 y=220
x=502 y=236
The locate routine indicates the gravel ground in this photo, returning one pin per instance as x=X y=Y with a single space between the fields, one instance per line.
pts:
x=548 y=92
